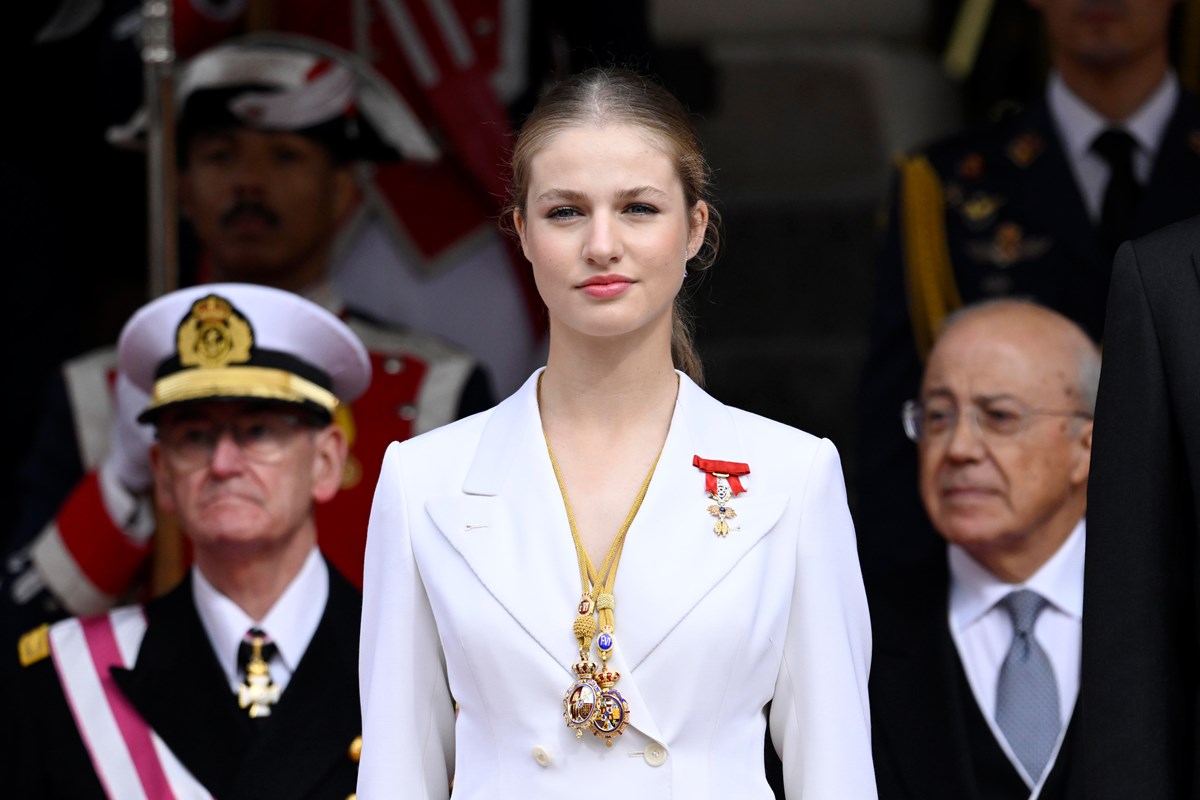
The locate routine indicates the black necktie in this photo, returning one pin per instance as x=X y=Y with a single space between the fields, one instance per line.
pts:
x=257 y=692
x=1121 y=195
x=246 y=649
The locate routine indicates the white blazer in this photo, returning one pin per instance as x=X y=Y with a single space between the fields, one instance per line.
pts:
x=471 y=587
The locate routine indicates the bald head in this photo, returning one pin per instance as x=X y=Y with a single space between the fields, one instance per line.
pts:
x=1007 y=400
x=1039 y=330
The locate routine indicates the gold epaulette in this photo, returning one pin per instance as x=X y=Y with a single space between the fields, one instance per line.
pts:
x=929 y=275
x=34 y=645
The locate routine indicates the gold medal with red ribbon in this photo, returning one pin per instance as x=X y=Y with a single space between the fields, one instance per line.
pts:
x=722 y=482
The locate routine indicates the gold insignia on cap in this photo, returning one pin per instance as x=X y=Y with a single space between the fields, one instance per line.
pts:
x=213 y=335
x=1024 y=149
x=34 y=645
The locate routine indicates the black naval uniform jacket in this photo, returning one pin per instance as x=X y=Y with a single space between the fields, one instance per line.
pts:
x=1141 y=626
x=989 y=213
x=299 y=752
x=929 y=737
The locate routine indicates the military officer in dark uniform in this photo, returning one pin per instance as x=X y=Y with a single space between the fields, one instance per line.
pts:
x=241 y=682
x=269 y=133
x=1032 y=206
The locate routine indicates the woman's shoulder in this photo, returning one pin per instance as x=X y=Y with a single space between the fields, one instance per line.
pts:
x=456 y=440
x=450 y=437
x=773 y=447
x=783 y=449
x=754 y=429
x=766 y=430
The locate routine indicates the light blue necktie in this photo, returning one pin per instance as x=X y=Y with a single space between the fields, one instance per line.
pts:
x=1027 y=708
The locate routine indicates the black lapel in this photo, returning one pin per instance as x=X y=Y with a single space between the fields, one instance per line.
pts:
x=1172 y=193
x=1052 y=195
x=308 y=735
x=181 y=691
x=917 y=708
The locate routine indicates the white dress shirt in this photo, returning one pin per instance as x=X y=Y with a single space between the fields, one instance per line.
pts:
x=290 y=623
x=982 y=630
x=1078 y=126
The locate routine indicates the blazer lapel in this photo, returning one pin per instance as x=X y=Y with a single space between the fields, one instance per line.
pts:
x=1047 y=177
x=508 y=496
x=180 y=690
x=671 y=542
x=1176 y=171
x=510 y=489
x=309 y=732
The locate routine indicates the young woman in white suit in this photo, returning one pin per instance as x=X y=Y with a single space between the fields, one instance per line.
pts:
x=612 y=574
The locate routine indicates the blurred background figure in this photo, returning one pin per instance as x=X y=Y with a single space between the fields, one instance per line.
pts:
x=1033 y=205
x=1141 y=644
x=245 y=674
x=976 y=668
x=801 y=107
x=268 y=136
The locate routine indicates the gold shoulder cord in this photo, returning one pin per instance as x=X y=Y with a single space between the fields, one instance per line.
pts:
x=34 y=646
x=592 y=702
x=932 y=292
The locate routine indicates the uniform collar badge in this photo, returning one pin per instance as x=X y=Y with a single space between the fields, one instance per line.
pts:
x=1008 y=246
x=1025 y=148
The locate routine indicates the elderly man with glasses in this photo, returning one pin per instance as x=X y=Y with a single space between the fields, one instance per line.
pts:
x=976 y=668
x=242 y=681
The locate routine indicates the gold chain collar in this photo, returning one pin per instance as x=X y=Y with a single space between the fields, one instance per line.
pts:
x=591 y=701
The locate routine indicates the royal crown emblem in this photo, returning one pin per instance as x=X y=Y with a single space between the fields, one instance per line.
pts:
x=580 y=703
x=213 y=334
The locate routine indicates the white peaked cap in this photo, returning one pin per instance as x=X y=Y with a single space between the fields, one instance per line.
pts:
x=241 y=341
x=303 y=82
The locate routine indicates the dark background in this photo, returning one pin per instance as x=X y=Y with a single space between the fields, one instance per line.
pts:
x=800 y=105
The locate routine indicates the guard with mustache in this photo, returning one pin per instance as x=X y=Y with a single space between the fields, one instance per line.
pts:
x=269 y=136
x=1032 y=205
x=975 y=681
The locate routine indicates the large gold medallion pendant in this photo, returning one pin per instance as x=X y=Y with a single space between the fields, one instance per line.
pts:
x=582 y=700
x=612 y=711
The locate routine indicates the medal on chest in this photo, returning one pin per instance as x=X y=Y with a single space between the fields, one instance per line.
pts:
x=722 y=483
x=592 y=701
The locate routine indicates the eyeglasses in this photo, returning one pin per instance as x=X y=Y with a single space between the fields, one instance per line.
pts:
x=262 y=437
x=1003 y=417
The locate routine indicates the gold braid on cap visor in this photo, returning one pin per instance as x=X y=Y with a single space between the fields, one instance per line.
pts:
x=264 y=383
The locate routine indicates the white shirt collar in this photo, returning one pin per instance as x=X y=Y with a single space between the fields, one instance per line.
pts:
x=974 y=590
x=290 y=623
x=1078 y=124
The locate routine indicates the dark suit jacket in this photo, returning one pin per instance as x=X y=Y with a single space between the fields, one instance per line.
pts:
x=1011 y=176
x=1141 y=657
x=300 y=751
x=931 y=742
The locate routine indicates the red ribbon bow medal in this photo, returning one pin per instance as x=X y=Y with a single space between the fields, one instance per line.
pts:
x=721 y=481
